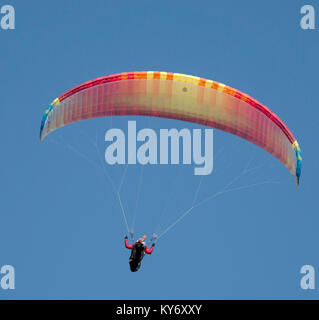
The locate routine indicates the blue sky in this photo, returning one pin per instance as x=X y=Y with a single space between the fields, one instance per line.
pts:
x=61 y=224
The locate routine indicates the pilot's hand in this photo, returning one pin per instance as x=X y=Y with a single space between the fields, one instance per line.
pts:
x=126 y=238
x=153 y=245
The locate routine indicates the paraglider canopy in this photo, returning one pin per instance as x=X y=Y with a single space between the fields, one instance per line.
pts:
x=181 y=97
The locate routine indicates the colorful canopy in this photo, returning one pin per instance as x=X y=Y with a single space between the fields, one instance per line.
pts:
x=177 y=96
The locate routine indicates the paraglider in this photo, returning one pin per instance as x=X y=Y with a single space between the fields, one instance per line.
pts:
x=139 y=248
x=180 y=97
